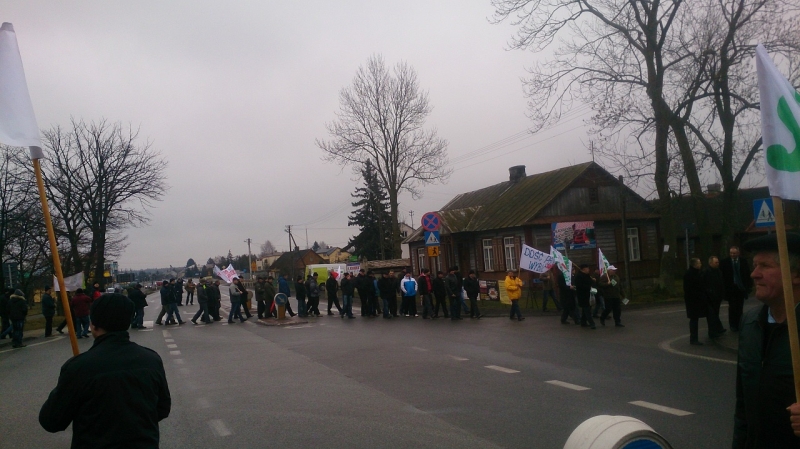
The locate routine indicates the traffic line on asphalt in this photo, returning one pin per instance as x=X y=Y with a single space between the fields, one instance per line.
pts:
x=501 y=369
x=33 y=344
x=219 y=428
x=174 y=353
x=559 y=383
x=416 y=348
x=166 y=334
x=458 y=359
x=169 y=340
x=298 y=327
x=172 y=346
x=667 y=346
x=661 y=408
x=179 y=361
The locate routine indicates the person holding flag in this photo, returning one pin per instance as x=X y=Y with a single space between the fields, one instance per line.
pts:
x=768 y=368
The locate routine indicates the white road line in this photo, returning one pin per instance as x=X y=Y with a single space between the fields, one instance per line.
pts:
x=567 y=385
x=661 y=408
x=34 y=344
x=169 y=340
x=174 y=353
x=219 y=428
x=418 y=348
x=172 y=346
x=203 y=403
x=166 y=334
x=501 y=369
x=667 y=346
x=179 y=361
x=298 y=327
x=458 y=359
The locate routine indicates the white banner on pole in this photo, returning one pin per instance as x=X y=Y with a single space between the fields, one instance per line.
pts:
x=534 y=260
x=17 y=121
x=227 y=275
x=71 y=283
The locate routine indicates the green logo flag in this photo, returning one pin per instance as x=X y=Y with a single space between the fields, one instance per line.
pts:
x=780 y=128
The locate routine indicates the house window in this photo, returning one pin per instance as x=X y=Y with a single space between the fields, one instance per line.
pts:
x=594 y=195
x=435 y=264
x=422 y=253
x=511 y=253
x=634 y=251
x=488 y=255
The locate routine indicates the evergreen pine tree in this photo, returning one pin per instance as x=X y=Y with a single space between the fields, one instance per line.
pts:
x=372 y=217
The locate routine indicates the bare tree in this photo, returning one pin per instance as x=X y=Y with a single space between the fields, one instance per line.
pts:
x=101 y=171
x=380 y=119
x=267 y=248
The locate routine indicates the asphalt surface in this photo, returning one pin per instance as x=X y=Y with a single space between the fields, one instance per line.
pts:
x=406 y=382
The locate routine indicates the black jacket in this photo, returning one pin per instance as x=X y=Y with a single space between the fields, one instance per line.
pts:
x=203 y=293
x=347 y=287
x=331 y=286
x=731 y=290
x=583 y=288
x=422 y=285
x=453 y=285
x=17 y=307
x=300 y=291
x=139 y=299
x=566 y=295
x=472 y=287
x=715 y=285
x=386 y=288
x=764 y=384
x=694 y=293
x=439 y=287
x=114 y=395
x=48 y=305
x=166 y=295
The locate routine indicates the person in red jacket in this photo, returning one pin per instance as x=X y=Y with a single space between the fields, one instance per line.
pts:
x=80 y=308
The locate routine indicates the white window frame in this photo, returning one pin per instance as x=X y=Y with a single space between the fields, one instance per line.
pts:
x=422 y=254
x=488 y=255
x=510 y=249
x=435 y=263
x=634 y=245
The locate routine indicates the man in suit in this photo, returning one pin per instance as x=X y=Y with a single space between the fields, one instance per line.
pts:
x=736 y=274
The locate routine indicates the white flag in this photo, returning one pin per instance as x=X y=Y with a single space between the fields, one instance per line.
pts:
x=780 y=128
x=71 y=283
x=602 y=262
x=17 y=121
x=563 y=264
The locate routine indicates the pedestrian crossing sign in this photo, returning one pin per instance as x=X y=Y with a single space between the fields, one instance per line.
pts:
x=432 y=238
x=433 y=251
x=763 y=213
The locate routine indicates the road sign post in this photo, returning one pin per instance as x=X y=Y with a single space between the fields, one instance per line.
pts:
x=431 y=221
x=432 y=238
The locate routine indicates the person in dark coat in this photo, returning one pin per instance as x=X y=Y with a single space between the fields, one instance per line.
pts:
x=6 y=322
x=695 y=297
x=115 y=393
x=453 y=281
x=331 y=289
x=767 y=414
x=715 y=290
x=81 y=304
x=386 y=289
x=300 y=293
x=583 y=283
x=736 y=272
x=139 y=300
x=17 y=311
x=48 y=310
x=566 y=293
x=362 y=285
x=312 y=292
x=473 y=289
x=440 y=295
x=283 y=287
x=202 y=301
x=348 y=289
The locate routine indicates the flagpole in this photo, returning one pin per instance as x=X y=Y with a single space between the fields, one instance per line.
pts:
x=788 y=294
x=56 y=260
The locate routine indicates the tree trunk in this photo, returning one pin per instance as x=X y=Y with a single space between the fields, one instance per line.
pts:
x=395 y=252
x=667 y=270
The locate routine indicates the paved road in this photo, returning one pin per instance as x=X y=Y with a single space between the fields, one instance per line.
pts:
x=407 y=382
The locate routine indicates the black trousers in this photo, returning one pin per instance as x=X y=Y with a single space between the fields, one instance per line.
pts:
x=313 y=305
x=334 y=301
x=586 y=316
x=714 y=323
x=48 y=326
x=455 y=307
x=612 y=305
x=441 y=301
x=393 y=305
x=202 y=311
x=735 y=307
x=363 y=298
x=261 y=307
x=693 y=328
x=189 y=297
x=474 y=311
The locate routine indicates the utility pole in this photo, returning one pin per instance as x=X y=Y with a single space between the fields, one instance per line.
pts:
x=411 y=212
x=249 y=259
x=306 y=238
x=625 y=248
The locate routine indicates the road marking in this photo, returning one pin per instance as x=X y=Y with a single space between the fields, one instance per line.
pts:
x=174 y=353
x=418 y=348
x=166 y=333
x=169 y=340
x=671 y=311
x=179 y=361
x=501 y=369
x=567 y=385
x=34 y=344
x=661 y=408
x=203 y=403
x=458 y=359
x=298 y=327
x=172 y=346
x=219 y=428
x=667 y=346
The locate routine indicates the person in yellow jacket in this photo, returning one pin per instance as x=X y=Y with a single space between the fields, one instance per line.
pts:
x=514 y=290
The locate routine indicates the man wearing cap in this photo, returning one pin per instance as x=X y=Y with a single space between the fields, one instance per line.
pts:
x=764 y=380
x=202 y=302
x=736 y=272
x=611 y=289
x=115 y=393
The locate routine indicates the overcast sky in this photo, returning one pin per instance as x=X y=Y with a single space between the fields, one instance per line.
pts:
x=234 y=93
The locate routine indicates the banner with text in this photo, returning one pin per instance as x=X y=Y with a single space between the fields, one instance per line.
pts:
x=534 y=260
x=71 y=283
x=573 y=235
x=227 y=275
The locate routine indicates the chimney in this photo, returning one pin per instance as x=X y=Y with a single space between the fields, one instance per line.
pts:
x=516 y=173
x=715 y=188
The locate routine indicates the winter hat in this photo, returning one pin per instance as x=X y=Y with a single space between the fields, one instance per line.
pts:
x=112 y=312
x=18 y=292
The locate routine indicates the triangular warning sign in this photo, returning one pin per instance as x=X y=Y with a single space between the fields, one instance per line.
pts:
x=765 y=215
x=432 y=240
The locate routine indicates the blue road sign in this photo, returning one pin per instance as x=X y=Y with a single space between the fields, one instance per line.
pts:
x=431 y=221
x=432 y=238
x=764 y=213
